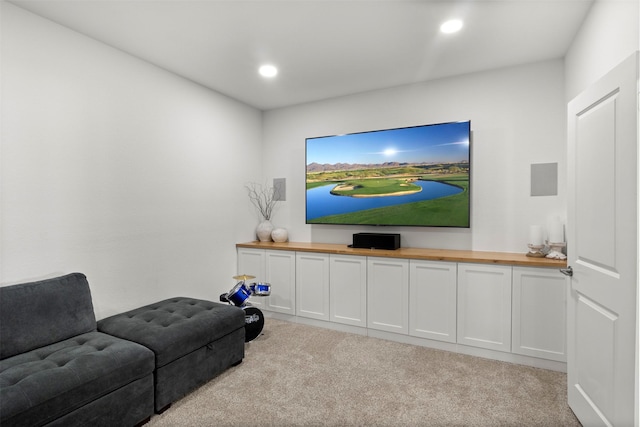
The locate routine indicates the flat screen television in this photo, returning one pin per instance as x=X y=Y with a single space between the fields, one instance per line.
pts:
x=411 y=176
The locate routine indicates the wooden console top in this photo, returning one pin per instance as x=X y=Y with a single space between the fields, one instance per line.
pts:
x=505 y=258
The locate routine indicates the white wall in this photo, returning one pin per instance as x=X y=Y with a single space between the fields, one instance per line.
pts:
x=118 y=169
x=609 y=35
x=134 y=176
x=518 y=117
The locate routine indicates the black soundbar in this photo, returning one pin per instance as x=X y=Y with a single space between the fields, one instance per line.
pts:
x=376 y=241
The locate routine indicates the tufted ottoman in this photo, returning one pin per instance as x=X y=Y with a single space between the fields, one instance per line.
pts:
x=193 y=341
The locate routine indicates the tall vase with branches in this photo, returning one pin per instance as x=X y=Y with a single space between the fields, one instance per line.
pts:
x=264 y=199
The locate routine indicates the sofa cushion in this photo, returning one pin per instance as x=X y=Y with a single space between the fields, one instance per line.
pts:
x=175 y=327
x=37 y=314
x=41 y=385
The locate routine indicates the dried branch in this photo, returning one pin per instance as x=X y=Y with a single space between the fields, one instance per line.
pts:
x=263 y=198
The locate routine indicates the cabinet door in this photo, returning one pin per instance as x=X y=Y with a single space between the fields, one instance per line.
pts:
x=484 y=306
x=348 y=289
x=312 y=285
x=388 y=294
x=539 y=313
x=252 y=262
x=432 y=300
x=281 y=275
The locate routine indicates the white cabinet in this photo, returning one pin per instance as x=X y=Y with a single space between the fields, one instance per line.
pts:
x=312 y=285
x=348 y=289
x=388 y=294
x=484 y=306
x=539 y=313
x=252 y=262
x=432 y=300
x=280 y=271
x=492 y=307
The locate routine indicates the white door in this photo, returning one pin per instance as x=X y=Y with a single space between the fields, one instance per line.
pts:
x=388 y=294
x=432 y=299
x=484 y=306
x=602 y=248
x=312 y=285
x=280 y=270
x=348 y=289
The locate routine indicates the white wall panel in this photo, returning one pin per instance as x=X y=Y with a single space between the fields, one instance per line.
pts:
x=609 y=34
x=517 y=118
x=118 y=169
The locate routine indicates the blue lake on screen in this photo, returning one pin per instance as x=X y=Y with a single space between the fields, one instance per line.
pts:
x=320 y=201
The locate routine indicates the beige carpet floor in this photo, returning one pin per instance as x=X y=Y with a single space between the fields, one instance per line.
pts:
x=298 y=375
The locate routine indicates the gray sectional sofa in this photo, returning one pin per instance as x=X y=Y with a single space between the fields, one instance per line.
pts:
x=193 y=341
x=58 y=369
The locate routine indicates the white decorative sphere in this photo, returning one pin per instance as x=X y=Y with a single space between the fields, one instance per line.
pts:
x=279 y=235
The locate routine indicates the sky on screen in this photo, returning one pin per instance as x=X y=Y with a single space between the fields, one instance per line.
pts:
x=448 y=142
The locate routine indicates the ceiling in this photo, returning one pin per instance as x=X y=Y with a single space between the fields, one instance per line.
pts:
x=323 y=48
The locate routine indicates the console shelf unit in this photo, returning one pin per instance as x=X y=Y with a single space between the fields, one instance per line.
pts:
x=497 y=305
x=504 y=258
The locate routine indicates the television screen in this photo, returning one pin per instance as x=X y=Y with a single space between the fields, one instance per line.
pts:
x=413 y=176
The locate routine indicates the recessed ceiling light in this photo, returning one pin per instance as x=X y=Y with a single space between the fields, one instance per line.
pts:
x=268 y=71
x=451 y=26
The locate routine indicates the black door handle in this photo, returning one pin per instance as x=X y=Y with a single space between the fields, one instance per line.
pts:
x=567 y=271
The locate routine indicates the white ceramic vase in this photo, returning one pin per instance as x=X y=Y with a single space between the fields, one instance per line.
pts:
x=263 y=231
x=279 y=235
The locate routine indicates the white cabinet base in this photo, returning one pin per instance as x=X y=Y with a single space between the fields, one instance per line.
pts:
x=348 y=289
x=432 y=300
x=312 y=285
x=388 y=294
x=281 y=274
x=252 y=263
x=462 y=307
x=484 y=306
x=539 y=313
